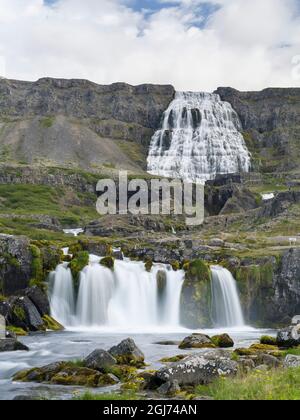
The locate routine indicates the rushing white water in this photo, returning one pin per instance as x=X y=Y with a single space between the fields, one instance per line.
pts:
x=62 y=296
x=226 y=307
x=127 y=298
x=200 y=138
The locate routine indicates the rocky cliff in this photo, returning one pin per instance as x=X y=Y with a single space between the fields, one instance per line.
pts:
x=271 y=123
x=79 y=123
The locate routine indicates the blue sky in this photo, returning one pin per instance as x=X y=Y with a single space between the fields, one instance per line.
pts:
x=192 y=44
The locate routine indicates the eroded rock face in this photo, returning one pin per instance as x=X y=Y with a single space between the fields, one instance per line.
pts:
x=39 y=299
x=198 y=370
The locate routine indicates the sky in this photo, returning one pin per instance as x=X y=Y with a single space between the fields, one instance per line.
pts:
x=194 y=45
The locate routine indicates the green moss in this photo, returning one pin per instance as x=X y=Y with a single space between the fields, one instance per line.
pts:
x=122 y=372
x=18 y=331
x=148 y=264
x=124 y=396
x=175 y=265
x=79 y=261
x=19 y=313
x=47 y=122
x=51 y=324
x=173 y=359
x=36 y=266
x=272 y=341
x=222 y=341
x=108 y=262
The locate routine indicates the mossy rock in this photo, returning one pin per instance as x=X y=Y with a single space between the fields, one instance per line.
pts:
x=122 y=372
x=75 y=248
x=148 y=264
x=173 y=359
x=51 y=324
x=175 y=265
x=16 y=330
x=264 y=347
x=257 y=349
x=223 y=341
x=267 y=340
x=77 y=376
x=108 y=262
x=78 y=263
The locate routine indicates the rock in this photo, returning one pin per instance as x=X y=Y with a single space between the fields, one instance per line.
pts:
x=169 y=389
x=39 y=299
x=289 y=337
x=128 y=353
x=197 y=341
x=269 y=341
x=24 y=314
x=79 y=376
x=10 y=344
x=262 y=368
x=218 y=243
x=108 y=262
x=99 y=360
x=268 y=360
x=291 y=361
x=296 y=320
x=223 y=341
x=51 y=324
x=197 y=370
x=15 y=263
x=246 y=365
x=168 y=343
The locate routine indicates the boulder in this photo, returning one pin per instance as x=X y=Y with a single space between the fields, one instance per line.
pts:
x=269 y=341
x=289 y=337
x=11 y=344
x=223 y=341
x=197 y=370
x=268 y=360
x=291 y=361
x=128 y=353
x=39 y=299
x=169 y=389
x=296 y=320
x=24 y=314
x=99 y=360
x=197 y=341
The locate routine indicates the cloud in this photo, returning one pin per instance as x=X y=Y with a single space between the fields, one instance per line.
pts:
x=193 y=44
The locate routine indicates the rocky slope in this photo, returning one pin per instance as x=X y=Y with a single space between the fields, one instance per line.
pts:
x=79 y=123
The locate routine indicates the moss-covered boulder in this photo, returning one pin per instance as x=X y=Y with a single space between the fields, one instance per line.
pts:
x=196 y=296
x=223 y=341
x=197 y=341
x=148 y=264
x=270 y=341
x=108 y=262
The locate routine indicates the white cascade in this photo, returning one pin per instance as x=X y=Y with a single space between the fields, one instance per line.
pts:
x=226 y=306
x=200 y=137
x=62 y=296
x=126 y=298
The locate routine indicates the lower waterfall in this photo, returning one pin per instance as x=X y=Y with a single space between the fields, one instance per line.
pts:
x=128 y=297
x=226 y=306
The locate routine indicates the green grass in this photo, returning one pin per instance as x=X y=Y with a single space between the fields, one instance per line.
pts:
x=67 y=206
x=107 y=397
x=293 y=352
x=274 y=385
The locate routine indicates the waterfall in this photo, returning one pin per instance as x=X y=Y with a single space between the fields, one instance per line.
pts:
x=199 y=138
x=128 y=297
x=62 y=296
x=226 y=307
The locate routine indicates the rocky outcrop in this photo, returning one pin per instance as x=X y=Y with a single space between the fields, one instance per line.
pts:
x=289 y=337
x=127 y=352
x=100 y=360
x=15 y=263
x=196 y=341
x=271 y=122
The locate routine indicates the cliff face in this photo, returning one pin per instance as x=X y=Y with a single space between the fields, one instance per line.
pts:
x=79 y=123
x=271 y=123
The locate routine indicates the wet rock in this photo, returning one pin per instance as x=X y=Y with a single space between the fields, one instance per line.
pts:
x=80 y=376
x=196 y=341
x=289 y=337
x=269 y=341
x=99 y=360
x=128 y=353
x=223 y=341
x=10 y=344
x=291 y=361
x=197 y=370
x=24 y=314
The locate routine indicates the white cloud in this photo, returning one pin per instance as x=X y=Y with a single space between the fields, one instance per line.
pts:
x=247 y=44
